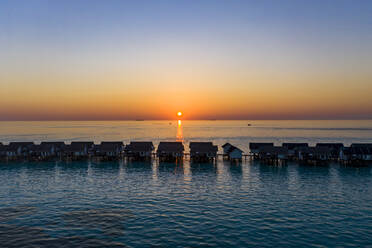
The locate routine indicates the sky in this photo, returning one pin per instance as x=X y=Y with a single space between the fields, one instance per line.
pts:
x=123 y=60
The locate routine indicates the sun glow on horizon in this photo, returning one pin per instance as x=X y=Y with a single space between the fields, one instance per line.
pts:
x=259 y=60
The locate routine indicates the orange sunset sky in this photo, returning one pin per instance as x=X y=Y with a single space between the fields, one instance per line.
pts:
x=211 y=60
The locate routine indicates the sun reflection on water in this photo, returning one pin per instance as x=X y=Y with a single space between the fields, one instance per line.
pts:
x=179 y=131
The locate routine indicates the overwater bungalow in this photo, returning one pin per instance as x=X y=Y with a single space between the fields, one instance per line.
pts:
x=55 y=147
x=231 y=152
x=48 y=150
x=367 y=145
x=40 y=153
x=2 y=151
x=357 y=153
x=273 y=153
x=362 y=150
x=109 y=150
x=139 y=150
x=203 y=151
x=78 y=150
x=335 y=148
x=22 y=148
x=226 y=147
x=319 y=154
x=19 y=150
x=170 y=151
x=11 y=152
x=256 y=147
x=293 y=148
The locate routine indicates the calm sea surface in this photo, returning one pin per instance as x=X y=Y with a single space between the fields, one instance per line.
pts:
x=86 y=204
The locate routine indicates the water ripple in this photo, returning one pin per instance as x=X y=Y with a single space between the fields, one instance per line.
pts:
x=146 y=204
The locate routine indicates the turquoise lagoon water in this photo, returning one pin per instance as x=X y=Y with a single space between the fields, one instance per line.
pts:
x=128 y=204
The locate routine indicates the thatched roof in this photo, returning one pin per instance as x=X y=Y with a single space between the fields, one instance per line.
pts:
x=292 y=146
x=274 y=150
x=111 y=146
x=58 y=144
x=170 y=147
x=202 y=147
x=369 y=145
x=358 y=150
x=319 y=150
x=41 y=148
x=231 y=148
x=16 y=145
x=257 y=145
x=3 y=148
x=78 y=146
x=227 y=144
x=140 y=146
x=336 y=146
x=82 y=144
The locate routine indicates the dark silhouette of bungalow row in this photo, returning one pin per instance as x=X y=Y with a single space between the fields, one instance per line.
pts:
x=335 y=149
x=106 y=151
x=273 y=153
x=2 y=152
x=203 y=151
x=303 y=152
x=293 y=148
x=46 y=151
x=170 y=151
x=109 y=150
x=321 y=152
x=16 y=150
x=293 y=151
x=30 y=151
x=314 y=154
x=78 y=150
x=256 y=147
x=357 y=154
x=139 y=150
x=174 y=151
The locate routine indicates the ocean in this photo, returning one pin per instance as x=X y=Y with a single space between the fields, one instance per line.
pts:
x=153 y=204
x=239 y=133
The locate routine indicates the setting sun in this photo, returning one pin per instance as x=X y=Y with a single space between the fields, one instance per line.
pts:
x=179 y=114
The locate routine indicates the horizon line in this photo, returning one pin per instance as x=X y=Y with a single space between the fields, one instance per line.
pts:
x=139 y=120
